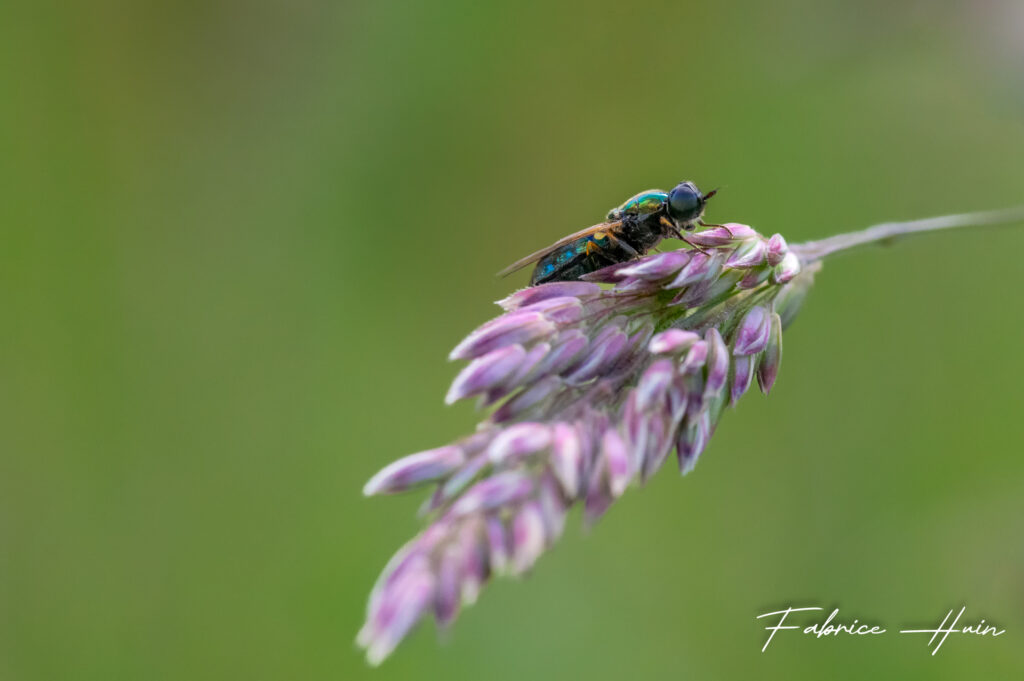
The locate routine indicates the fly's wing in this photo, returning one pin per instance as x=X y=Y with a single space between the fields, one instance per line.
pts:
x=534 y=257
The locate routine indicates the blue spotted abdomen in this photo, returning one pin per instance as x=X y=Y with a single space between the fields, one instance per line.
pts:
x=571 y=261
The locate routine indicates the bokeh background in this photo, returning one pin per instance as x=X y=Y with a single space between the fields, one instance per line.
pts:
x=239 y=239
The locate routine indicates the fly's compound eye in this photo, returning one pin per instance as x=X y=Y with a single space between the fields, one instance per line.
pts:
x=685 y=203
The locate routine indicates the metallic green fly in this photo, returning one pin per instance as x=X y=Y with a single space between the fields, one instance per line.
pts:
x=629 y=231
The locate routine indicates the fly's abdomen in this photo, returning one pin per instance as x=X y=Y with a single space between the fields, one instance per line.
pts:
x=579 y=257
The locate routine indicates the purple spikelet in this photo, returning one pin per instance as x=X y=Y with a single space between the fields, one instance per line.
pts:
x=589 y=388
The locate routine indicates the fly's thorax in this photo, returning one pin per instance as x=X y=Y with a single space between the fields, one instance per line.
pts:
x=644 y=203
x=642 y=232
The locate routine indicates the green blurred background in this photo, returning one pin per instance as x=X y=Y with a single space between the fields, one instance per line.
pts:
x=239 y=239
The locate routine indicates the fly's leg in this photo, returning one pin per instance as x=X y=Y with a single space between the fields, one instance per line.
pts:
x=693 y=246
x=593 y=248
x=629 y=250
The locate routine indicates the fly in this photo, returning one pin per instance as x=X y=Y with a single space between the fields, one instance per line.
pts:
x=629 y=231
